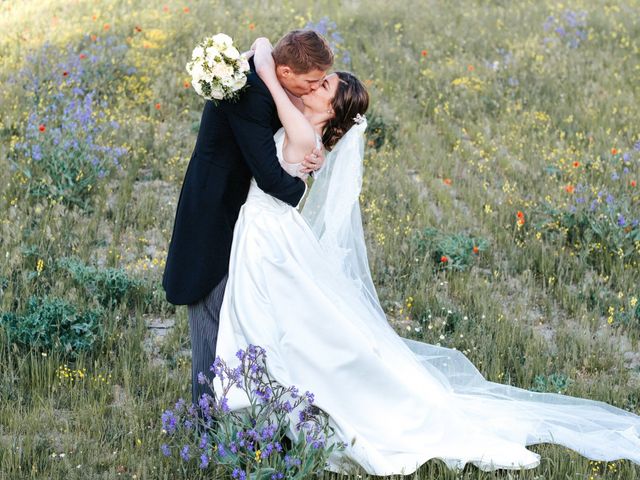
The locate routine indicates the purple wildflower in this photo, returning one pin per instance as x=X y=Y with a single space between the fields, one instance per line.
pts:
x=221 y=450
x=166 y=450
x=621 y=221
x=201 y=378
x=204 y=461
x=239 y=474
x=169 y=422
x=203 y=441
x=184 y=453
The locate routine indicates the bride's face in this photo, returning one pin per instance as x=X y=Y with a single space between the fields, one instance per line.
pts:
x=319 y=101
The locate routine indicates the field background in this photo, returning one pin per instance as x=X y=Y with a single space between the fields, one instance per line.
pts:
x=511 y=127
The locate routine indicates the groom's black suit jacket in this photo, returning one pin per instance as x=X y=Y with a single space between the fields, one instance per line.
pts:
x=235 y=143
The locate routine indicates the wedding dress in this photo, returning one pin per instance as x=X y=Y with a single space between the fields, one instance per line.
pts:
x=300 y=287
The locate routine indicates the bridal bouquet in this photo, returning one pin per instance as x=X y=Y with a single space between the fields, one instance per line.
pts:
x=218 y=70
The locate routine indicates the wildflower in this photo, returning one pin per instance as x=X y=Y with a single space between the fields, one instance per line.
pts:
x=621 y=221
x=204 y=461
x=470 y=68
x=138 y=29
x=82 y=56
x=166 y=450
x=106 y=26
x=614 y=151
x=424 y=53
x=520 y=214
x=632 y=183
x=239 y=474
x=94 y=38
x=447 y=181
x=258 y=454
x=184 y=453
x=576 y=164
x=42 y=127
x=165 y=9
x=157 y=106
x=443 y=259
x=569 y=188
x=633 y=302
x=186 y=10
x=65 y=74
x=476 y=250
x=169 y=421
x=252 y=26
x=187 y=84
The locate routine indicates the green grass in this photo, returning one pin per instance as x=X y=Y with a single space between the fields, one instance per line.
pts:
x=469 y=143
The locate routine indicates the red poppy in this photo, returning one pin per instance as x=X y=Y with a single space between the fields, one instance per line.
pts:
x=569 y=188
x=157 y=106
x=447 y=181
x=42 y=127
x=520 y=214
x=424 y=53
x=614 y=151
x=185 y=9
x=476 y=250
x=65 y=74
x=106 y=26
x=633 y=183
x=576 y=164
x=187 y=84
x=443 y=259
x=252 y=26
x=165 y=9
x=82 y=56
x=94 y=38
x=471 y=68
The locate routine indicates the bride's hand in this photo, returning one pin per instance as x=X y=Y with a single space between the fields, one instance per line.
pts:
x=265 y=65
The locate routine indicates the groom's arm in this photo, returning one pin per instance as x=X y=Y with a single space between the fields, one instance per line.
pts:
x=250 y=121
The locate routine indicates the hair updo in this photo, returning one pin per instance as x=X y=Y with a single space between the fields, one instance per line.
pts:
x=351 y=99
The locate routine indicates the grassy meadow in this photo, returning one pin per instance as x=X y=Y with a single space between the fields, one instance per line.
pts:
x=500 y=204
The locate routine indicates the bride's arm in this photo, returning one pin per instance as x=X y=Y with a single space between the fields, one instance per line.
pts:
x=299 y=131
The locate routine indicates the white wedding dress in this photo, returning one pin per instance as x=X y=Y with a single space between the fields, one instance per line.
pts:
x=400 y=402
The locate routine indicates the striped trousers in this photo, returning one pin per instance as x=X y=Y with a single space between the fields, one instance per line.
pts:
x=204 y=320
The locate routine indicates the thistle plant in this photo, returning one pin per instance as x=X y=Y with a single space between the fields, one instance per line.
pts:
x=251 y=442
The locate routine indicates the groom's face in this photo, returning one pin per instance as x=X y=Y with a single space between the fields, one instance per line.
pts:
x=300 y=83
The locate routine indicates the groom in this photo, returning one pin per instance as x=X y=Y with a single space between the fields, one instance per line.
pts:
x=235 y=142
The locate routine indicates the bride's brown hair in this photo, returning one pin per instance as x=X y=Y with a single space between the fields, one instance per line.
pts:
x=350 y=100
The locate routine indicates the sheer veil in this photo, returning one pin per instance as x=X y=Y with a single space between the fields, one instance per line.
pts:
x=594 y=429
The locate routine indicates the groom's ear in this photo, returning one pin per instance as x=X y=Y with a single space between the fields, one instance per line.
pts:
x=284 y=71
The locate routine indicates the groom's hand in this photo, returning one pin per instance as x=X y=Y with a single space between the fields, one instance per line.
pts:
x=313 y=161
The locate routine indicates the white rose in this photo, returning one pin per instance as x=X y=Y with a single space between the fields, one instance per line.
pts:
x=222 y=39
x=212 y=53
x=244 y=64
x=238 y=82
x=231 y=52
x=197 y=87
x=217 y=92
x=221 y=70
x=197 y=71
x=198 y=52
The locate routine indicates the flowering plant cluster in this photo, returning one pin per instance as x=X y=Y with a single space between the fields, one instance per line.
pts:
x=68 y=143
x=218 y=70
x=251 y=442
x=599 y=219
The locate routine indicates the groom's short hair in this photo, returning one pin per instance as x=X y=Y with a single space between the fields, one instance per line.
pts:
x=303 y=51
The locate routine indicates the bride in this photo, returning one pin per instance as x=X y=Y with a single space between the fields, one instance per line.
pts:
x=299 y=285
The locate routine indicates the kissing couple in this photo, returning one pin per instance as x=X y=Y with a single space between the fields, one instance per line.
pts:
x=261 y=255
